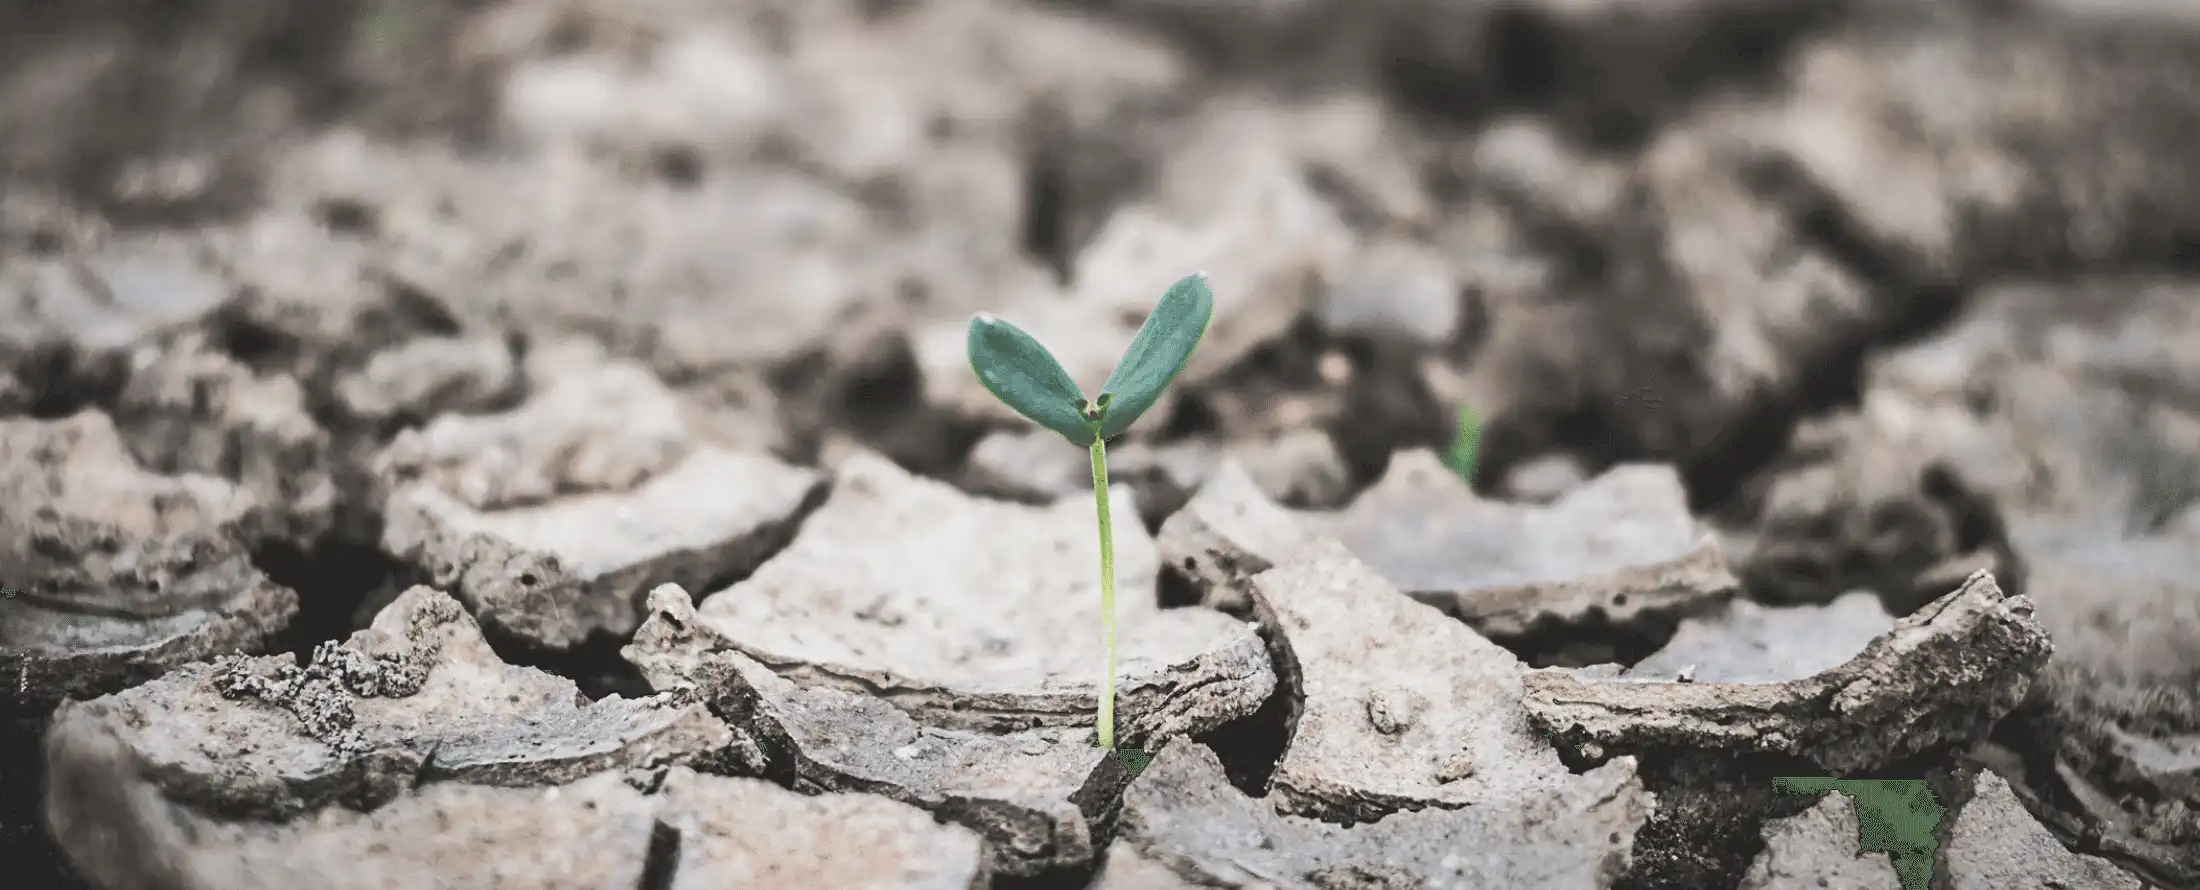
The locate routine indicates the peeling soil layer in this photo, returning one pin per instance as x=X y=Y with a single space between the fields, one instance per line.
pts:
x=531 y=443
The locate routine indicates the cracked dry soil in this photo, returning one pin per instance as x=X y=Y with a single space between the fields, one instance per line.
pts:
x=528 y=444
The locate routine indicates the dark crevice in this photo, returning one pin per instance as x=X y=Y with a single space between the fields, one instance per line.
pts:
x=1912 y=304
x=348 y=216
x=1594 y=640
x=332 y=578
x=1524 y=61
x=1711 y=810
x=1045 y=226
x=1251 y=747
x=25 y=845
x=1388 y=406
x=1191 y=416
x=414 y=312
x=662 y=862
x=254 y=344
x=63 y=381
x=1059 y=878
x=678 y=166
x=877 y=399
x=1173 y=590
x=594 y=664
x=1978 y=525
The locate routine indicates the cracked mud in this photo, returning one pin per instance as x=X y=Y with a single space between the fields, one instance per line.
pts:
x=530 y=443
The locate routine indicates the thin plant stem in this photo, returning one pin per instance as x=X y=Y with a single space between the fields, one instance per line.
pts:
x=1107 y=591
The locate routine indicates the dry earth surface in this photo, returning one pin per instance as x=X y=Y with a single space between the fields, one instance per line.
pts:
x=528 y=443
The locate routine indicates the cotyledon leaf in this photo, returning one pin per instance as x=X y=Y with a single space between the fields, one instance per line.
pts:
x=1026 y=377
x=1159 y=352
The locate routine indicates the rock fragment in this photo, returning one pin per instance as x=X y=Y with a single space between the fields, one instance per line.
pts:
x=1996 y=844
x=1396 y=289
x=118 y=294
x=1942 y=675
x=120 y=831
x=593 y=832
x=1623 y=548
x=553 y=520
x=1125 y=868
x=983 y=615
x=1183 y=814
x=748 y=833
x=117 y=574
x=428 y=377
x=1400 y=707
x=1750 y=643
x=1820 y=849
x=416 y=697
x=1037 y=796
x=192 y=408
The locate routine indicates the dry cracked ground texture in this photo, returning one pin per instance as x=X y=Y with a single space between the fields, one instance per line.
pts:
x=528 y=444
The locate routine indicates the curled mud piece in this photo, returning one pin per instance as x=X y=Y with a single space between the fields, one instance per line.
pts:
x=552 y=521
x=1942 y=675
x=1041 y=798
x=115 y=574
x=1820 y=849
x=1184 y=815
x=1400 y=707
x=1622 y=548
x=1750 y=643
x=1995 y=844
x=984 y=615
x=415 y=698
x=690 y=831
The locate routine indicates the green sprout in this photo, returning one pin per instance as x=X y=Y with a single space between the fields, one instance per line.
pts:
x=1026 y=377
x=1464 y=443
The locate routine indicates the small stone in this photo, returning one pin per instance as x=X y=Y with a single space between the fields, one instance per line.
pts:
x=1456 y=768
x=1392 y=712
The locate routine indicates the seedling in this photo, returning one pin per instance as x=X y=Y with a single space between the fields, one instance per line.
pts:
x=1026 y=377
x=1464 y=444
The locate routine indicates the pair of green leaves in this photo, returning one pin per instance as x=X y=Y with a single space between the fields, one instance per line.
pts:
x=1026 y=377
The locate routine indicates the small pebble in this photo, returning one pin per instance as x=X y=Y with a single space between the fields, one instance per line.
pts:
x=1455 y=768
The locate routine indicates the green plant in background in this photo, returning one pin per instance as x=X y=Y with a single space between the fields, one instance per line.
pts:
x=386 y=22
x=1894 y=816
x=1464 y=443
x=1026 y=377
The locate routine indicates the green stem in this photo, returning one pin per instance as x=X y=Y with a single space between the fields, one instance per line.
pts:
x=1107 y=590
